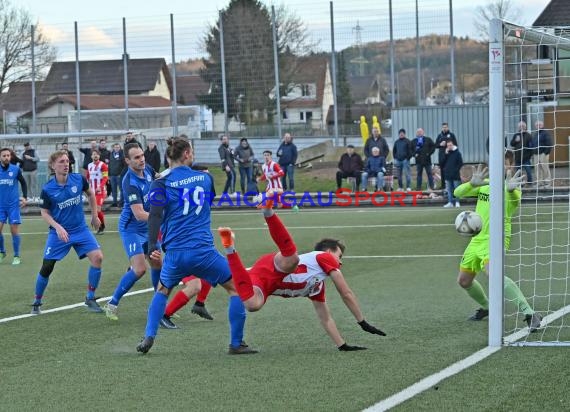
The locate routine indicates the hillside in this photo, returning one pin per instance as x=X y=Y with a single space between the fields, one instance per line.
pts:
x=471 y=64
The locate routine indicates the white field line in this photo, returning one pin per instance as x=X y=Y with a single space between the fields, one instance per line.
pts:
x=432 y=380
x=73 y=306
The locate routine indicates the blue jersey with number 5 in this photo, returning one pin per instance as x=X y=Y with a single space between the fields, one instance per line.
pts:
x=186 y=195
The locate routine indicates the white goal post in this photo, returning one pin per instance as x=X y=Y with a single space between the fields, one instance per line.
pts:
x=529 y=81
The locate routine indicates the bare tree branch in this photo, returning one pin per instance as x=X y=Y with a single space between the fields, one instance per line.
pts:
x=16 y=46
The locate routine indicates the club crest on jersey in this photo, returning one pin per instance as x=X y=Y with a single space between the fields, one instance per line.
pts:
x=148 y=178
x=74 y=189
x=10 y=174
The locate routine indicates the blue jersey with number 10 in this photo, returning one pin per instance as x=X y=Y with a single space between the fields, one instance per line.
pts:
x=186 y=195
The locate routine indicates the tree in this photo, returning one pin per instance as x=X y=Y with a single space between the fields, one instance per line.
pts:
x=248 y=54
x=497 y=9
x=344 y=98
x=16 y=46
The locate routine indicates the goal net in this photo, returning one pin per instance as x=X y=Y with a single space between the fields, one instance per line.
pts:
x=529 y=105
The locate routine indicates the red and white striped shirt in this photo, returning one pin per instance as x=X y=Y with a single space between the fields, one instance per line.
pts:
x=308 y=279
x=272 y=173
x=98 y=174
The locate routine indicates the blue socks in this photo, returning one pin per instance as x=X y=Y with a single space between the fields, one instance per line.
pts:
x=154 y=277
x=15 y=242
x=41 y=285
x=155 y=313
x=2 y=250
x=93 y=277
x=126 y=283
x=236 y=316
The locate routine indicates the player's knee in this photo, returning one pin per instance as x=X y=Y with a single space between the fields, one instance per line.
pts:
x=464 y=280
x=96 y=259
x=47 y=267
x=288 y=264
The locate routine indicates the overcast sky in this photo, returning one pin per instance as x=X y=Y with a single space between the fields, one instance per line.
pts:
x=100 y=21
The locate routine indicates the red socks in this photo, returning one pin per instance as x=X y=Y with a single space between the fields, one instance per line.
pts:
x=281 y=236
x=203 y=294
x=241 y=278
x=101 y=217
x=177 y=302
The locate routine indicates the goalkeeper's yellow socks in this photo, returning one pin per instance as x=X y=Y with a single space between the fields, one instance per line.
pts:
x=513 y=293
x=477 y=293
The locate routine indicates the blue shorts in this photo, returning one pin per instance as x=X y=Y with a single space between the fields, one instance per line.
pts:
x=12 y=214
x=134 y=244
x=83 y=242
x=207 y=264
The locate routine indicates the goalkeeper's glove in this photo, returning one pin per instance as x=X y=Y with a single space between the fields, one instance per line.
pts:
x=515 y=182
x=347 y=348
x=479 y=175
x=367 y=327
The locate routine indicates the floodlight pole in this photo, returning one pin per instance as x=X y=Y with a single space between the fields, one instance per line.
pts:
x=496 y=176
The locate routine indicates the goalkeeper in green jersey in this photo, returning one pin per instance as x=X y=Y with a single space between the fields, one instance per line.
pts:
x=476 y=256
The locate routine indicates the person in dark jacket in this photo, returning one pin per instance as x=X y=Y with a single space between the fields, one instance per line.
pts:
x=116 y=164
x=152 y=156
x=65 y=146
x=452 y=163
x=349 y=165
x=441 y=144
x=523 y=150
x=287 y=154
x=402 y=153
x=376 y=140
x=227 y=158
x=244 y=155
x=423 y=148
x=30 y=170
x=375 y=166
x=87 y=156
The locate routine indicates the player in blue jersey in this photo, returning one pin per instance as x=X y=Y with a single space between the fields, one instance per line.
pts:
x=180 y=207
x=133 y=226
x=10 y=202
x=62 y=208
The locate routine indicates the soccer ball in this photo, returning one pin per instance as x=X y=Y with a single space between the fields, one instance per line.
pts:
x=468 y=223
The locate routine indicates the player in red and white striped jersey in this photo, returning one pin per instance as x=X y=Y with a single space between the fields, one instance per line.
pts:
x=272 y=173
x=97 y=175
x=288 y=274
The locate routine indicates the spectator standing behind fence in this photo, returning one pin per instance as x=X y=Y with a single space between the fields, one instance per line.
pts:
x=116 y=164
x=287 y=154
x=452 y=163
x=402 y=153
x=152 y=156
x=87 y=156
x=104 y=153
x=227 y=157
x=543 y=141
x=244 y=155
x=376 y=140
x=441 y=144
x=375 y=166
x=523 y=150
x=30 y=168
x=423 y=148
x=65 y=146
x=349 y=165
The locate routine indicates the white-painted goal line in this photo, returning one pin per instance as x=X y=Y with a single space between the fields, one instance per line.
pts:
x=432 y=380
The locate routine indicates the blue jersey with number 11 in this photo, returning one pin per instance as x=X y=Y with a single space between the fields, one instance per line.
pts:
x=186 y=195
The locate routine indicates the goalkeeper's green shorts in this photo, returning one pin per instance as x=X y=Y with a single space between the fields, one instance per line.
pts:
x=475 y=257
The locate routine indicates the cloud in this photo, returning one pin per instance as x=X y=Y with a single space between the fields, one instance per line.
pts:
x=55 y=34
x=94 y=36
